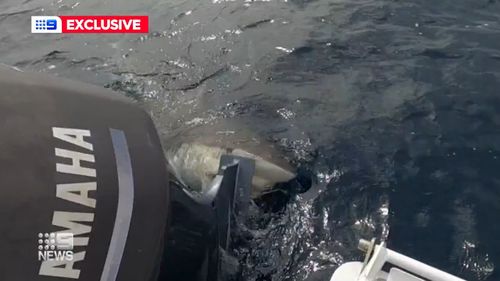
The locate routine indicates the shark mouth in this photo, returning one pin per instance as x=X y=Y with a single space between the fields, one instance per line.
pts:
x=196 y=165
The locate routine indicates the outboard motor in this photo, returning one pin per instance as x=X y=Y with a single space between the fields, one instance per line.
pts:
x=86 y=194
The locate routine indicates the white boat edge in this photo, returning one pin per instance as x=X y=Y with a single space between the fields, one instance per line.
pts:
x=399 y=266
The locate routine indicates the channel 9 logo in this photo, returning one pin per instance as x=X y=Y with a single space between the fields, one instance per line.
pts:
x=46 y=24
x=55 y=246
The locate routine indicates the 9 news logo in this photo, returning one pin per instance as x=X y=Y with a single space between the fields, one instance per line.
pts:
x=46 y=24
x=55 y=246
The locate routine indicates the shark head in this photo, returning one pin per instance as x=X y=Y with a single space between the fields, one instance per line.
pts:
x=194 y=156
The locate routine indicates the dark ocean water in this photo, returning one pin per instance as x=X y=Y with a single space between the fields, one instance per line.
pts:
x=391 y=106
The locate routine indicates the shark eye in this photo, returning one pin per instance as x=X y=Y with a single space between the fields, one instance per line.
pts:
x=304 y=180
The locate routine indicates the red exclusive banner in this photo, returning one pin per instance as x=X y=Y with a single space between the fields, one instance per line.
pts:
x=105 y=24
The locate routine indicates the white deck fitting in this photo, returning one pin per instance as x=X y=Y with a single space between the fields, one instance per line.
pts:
x=405 y=268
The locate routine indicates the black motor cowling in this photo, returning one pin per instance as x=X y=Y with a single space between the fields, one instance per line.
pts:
x=78 y=159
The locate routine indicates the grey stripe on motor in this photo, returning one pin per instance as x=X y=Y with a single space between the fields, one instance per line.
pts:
x=125 y=206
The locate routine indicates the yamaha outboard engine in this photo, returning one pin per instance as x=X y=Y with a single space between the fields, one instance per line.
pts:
x=86 y=194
